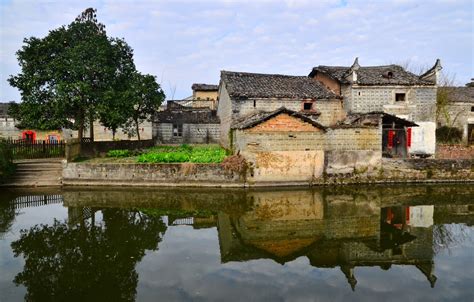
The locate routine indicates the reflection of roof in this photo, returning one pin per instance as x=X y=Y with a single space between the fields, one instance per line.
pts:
x=372 y=75
x=257 y=85
x=260 y=117
x=204 y=87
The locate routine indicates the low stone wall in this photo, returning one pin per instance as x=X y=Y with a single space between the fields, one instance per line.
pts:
x=213 y=175
x=409 y=171
x=179 y=175
x=73 y=149
x=454 y=152
x=94 y=149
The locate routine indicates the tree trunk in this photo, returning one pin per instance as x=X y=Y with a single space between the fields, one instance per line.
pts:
x=113 y=134
x=138 y=130
x=80 y=130
x=91 y=127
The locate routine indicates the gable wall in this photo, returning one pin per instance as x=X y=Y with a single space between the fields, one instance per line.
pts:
x=283 y=122
x=329 y=82
x=420 y=104
x=331 y=111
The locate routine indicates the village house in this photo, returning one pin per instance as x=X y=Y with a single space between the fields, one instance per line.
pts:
x=179 y=124
x=390 y=89
x=9 y=129
x=191 y=120
x=459 y=110
x=295 y=129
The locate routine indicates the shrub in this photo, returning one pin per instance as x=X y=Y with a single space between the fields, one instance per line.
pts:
x=7 y=167
x=448 y=135
x=118 y=153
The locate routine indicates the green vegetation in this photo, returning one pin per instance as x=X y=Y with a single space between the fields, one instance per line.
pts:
x=182 y=154
x=118 y=153
x=7 y=167
x=448 y=135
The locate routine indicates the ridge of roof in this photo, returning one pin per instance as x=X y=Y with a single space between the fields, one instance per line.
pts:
x=262 y=116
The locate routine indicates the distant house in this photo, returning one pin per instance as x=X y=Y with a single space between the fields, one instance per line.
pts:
x=179 y=124
x=459 y=111
x=9 y=129
x=204 y=95
x=390 y=89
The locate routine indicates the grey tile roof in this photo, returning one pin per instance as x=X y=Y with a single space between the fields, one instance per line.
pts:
x=373 y=75
x=204 y=87
x=372 y=119
x=459 y=94
x=257 y=85
x=260 y=117
x=187 y=115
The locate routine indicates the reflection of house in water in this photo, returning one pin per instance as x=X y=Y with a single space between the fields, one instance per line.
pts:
x=333 y=233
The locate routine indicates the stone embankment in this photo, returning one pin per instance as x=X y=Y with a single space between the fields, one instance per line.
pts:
x=214 y=175
x=36 y=173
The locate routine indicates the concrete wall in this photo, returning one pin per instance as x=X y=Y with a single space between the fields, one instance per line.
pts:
x=182 y=175
x=102 y=133
x=224 y=112
x=192 y=133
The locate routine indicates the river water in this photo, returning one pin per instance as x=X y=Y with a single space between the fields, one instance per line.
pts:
x=376 y=243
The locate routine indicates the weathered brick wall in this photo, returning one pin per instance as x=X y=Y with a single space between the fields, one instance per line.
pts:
x=420 y=104
x=348 y=139
x=192 y=133
x=454 y=152
x=100 y=148
x=458 y=115
x=331 y=111
x=283 y=122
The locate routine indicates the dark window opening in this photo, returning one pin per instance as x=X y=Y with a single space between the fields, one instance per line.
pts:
x=178 y=130
x=472 y=108
x=254 y=104
x=307 y=106
x=399 y=97
x=359 y=93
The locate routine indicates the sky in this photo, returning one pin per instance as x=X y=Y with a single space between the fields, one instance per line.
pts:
x=183 y=42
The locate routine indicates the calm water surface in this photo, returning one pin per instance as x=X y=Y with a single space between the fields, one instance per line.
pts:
x=392 y=243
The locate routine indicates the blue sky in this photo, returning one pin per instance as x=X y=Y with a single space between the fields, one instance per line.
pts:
x=183 y=42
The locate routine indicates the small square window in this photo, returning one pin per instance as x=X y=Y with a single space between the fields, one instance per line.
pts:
x=399 y=97
x=178 y=130
x=307 y=106
x=472 y=108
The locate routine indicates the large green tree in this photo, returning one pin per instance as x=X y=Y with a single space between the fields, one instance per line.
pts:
x=67 y=75
x=145 y=97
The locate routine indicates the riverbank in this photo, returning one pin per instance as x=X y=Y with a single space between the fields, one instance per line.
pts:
x=215 y=175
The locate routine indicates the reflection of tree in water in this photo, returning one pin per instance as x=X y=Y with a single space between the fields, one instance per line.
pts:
x=7 y=217
x=447 y=236
x=87 y=262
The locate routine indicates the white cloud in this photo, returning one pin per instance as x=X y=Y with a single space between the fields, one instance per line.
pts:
x=191 y=41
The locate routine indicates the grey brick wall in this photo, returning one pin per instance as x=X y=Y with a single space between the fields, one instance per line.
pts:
x=192 y=133
x=420 y=104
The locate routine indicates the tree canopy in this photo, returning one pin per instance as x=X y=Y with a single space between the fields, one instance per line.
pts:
x=74 y=74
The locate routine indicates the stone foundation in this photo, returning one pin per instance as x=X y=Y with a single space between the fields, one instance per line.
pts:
x=213 y=175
